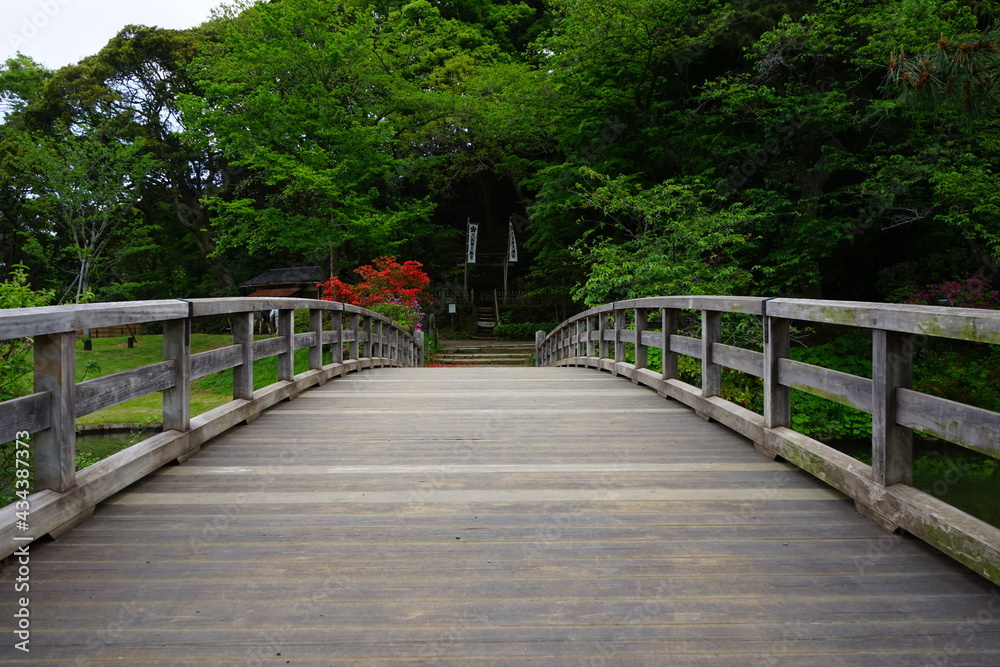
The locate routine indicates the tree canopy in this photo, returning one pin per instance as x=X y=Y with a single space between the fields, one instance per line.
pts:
x=655 y=147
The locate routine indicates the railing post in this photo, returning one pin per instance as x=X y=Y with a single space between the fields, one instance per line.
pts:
x=641 y=352
x=243 y=374
x=602 y=343
x=316 y=351
x=892 y=444
x=355 y=327
x=711 y=372
x=777 y=346
x=177 y=399
x=619 y=342
x=539 y=342
x=668 y=321
x=55 y=447
x=419 y=340
x=337 y=325
x=286 y=359
x=366 y=343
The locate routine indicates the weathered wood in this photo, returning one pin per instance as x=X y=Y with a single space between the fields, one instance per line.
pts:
x=972 y=324
x=777 y=347
x=269 y=347
x=204 y=364
x=668 y=331
x=539 y=353
x=620 y=331
x=54 y=449
x=337 y=343
x=892 y=369
x=962 y=424
x=316 y=318
x=177 y=396
x=28 y=413
x=711 y=372
x=243 y=373
x=301 y=341
x=685 y=345
x=487 y=539
x=722 y=304
x=641 y=324
x=104 y=392
x=50 y=320
x=843 y=388
x=286 y=334
x=738 y=358
x=354 y=335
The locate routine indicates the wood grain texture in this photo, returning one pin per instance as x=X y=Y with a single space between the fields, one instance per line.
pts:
x=492 y=516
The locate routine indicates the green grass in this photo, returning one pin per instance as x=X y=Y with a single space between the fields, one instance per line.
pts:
x=112 y=355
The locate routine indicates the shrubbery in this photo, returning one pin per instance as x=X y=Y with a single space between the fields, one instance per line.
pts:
x=525 y=331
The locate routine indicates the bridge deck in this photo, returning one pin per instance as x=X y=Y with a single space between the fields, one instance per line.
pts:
x=492 y=515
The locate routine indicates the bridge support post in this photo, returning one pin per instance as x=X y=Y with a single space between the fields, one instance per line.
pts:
x=243 y=374
x=286 y=360
x=337 y=324
x=668 y=324
x=539 y=342
x=711 y=372
x=620 y=318
x=777 y=397
x=641 y=351
x=892 y=444
x=177 y=399
x=419 y=340
x=55 y=447
x=316 y=351
x=602 y=341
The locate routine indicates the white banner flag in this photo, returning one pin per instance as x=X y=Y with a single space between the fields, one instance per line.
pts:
x=473 y=240
x=512 y=245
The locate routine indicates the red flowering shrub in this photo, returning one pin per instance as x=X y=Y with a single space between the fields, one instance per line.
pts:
x=388 y=287
x=972 y=291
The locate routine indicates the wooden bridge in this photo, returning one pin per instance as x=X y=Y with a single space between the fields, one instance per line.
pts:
x=556 y=515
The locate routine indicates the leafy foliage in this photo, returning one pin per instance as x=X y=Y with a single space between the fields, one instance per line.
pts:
x=395 y=290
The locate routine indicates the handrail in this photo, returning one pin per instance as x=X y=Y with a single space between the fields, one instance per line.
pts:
x=45 y=422
x=598 y=338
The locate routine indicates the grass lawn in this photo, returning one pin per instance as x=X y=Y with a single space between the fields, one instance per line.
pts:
x=112 y=355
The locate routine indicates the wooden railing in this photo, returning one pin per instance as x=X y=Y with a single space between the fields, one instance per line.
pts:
x=598 y=338
x=45 y=422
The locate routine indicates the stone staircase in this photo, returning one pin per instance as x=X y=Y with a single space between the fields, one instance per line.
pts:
x=484 y=353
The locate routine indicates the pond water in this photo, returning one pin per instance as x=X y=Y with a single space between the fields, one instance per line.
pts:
x=102 y=444
x=961 y=477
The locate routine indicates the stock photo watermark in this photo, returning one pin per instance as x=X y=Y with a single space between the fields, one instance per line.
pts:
x=34 y=22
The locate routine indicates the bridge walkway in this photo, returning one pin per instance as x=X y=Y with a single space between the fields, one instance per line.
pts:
x=494 y=516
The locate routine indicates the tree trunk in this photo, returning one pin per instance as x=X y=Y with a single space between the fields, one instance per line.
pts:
x=193 y=217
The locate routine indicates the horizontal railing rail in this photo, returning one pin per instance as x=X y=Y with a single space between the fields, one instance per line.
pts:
x=884 y=491
x=43 y=424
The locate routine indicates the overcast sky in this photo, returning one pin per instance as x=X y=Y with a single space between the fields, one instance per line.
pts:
x=61 y=32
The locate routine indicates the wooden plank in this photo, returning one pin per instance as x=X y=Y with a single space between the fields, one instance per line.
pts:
x=738 y=358
x=269 y=347
x=243 y=372
x=962 y=424
x=711 y=372
x=28 y=413
x=46 y=320
x=777 y=347
x=972 y=324
x=204 y=364
x=177 y=397
x=54 y=449
x=686 y=345
x=835 y=386
x=892 y=369
x=303 y=340
x=103 y=392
